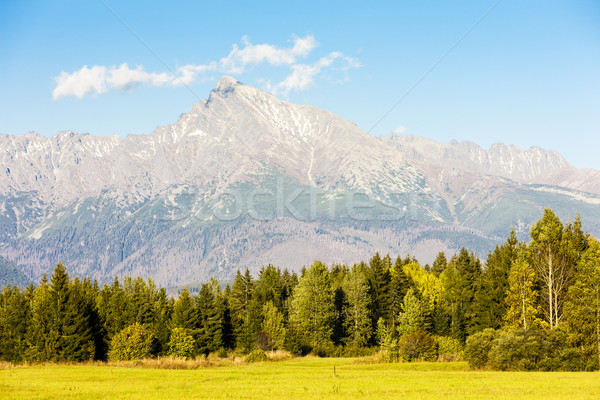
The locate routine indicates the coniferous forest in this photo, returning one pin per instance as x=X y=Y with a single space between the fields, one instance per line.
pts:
x=527 y=306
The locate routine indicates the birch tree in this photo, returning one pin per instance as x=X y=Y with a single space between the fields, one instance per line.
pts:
x=521 y=297
x=551 y=265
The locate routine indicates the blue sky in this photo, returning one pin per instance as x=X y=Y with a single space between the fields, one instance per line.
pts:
x=527 y=74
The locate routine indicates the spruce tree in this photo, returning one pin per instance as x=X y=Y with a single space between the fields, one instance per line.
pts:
x=91 y=295
x=313 y=311
x=209 y=321
x=112 y=309
x=460 y=283
x=289 y=282
x=440 y=320
x=41 y=337
x=241 y=294
x=398 y=288
x=493 y=287
x=142 y=300
x=162 y=322
x=582 y=309
x=227 y=330
x=439 y=265
x=61 y=328
x=184 y=311
x=268 y=286
x=15 y=316
x=75 y=322
x=379 y=277
x=249 y=336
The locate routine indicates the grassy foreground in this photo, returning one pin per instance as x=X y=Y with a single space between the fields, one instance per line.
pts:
x=309 y=378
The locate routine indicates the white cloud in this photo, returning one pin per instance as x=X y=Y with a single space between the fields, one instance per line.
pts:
x=400 y=129
x=80 y=83
x=124 y=78
x=303 y=75
x=100 y=79
x=237 y=59
x=189 y=73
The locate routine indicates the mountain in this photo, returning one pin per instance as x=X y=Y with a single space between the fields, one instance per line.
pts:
x=11 y=275
x=245 y=179
x=535 y=165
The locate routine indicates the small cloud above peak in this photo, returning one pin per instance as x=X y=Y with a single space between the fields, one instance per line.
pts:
x=400 y=129
x=254 y=54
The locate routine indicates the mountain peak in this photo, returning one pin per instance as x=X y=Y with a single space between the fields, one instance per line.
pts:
x=226 y=84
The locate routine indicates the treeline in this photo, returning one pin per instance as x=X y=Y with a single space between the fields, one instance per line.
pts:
x=530 y=306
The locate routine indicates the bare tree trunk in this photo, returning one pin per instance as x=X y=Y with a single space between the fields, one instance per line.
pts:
x=524 y=316
x=550 y=287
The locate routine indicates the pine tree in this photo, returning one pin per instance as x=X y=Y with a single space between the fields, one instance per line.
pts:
x=289 y=282
x=582 y=309
x=209 y=321
x=491 y=296
x=439 y=265
x=15 y=316
x=574 y=242
x=41 y=337
x=337 y=275
x=75 y=322
x=312 y=305
x=227 y=331
x=268 y=286
x=250 y=337
x=241 y=295
x=399 y=286
x=440 y=320
x=184 y=311
x=340 y=302
x=162 y=322
x=459 y=281
x=110 y=316
x=379 y=278
x=60 y=329
x=91 y=295
x=246 y=315
x=142 y=300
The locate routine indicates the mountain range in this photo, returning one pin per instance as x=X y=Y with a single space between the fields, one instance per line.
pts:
x=245 y=179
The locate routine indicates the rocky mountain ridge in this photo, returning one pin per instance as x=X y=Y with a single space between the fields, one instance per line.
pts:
x=246 y=179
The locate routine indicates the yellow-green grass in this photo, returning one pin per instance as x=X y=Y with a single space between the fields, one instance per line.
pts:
x=300 y=378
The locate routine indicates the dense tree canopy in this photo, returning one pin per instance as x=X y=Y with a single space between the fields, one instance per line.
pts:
x=545 y=294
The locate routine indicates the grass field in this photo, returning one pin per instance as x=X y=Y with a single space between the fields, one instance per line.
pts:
x=301 y=378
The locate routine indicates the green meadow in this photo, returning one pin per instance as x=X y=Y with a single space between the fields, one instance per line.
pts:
x=299 y=378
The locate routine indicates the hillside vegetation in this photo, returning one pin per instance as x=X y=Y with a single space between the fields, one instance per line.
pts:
x=531 y=306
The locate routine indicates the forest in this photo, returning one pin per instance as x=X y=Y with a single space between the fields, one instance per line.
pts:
x=529 y=306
